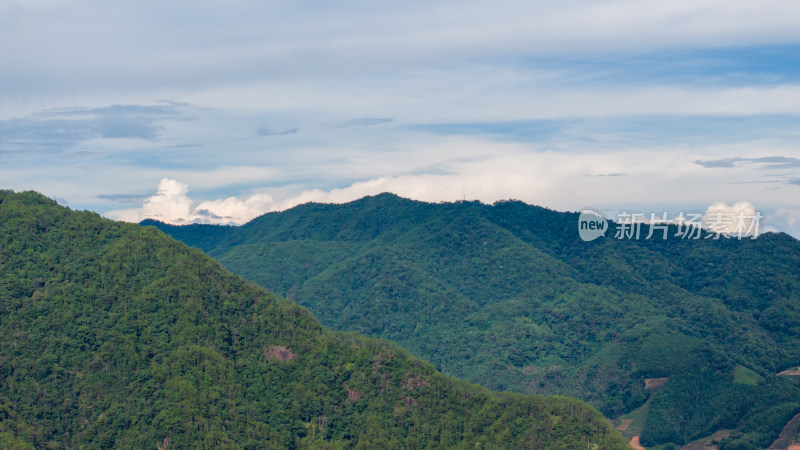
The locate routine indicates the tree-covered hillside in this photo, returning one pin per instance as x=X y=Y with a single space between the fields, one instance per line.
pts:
x=508 y=296
x=117 y=336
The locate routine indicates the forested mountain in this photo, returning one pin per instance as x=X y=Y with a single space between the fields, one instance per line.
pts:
x=117 y=336
x=675 y=338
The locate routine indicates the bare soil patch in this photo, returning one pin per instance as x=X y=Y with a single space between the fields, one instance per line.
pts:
x=789 y=439
x=790 y=372
x=635 y=443
x=278 y=353
x=654 y=383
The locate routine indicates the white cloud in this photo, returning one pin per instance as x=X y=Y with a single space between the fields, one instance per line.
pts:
x=435 y=97
x=784 y=219
x=740 y=219
x=600 y=68
x=171 y=204
x=57 y=51
x=489 y=171
x=234 y=210
x=487 y=183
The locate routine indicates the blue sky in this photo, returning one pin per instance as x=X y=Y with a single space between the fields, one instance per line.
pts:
x=217 y=111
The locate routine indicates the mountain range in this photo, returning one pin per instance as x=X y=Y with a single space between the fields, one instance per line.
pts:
x=117 y=336
x=674 y=339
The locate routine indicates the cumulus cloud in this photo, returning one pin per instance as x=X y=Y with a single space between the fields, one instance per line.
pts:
x=450 y=169
x=528 y=179
x=171 y=204
x=233 y=210
x=740 y=219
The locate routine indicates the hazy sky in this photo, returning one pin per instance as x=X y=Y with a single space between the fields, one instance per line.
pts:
x=220 y=111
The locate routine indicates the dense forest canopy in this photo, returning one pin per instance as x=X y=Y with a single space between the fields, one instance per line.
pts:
x=508 y=296
x=117 y=336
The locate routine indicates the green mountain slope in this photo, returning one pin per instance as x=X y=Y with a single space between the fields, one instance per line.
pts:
x=117 y=336
x=508 y=296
